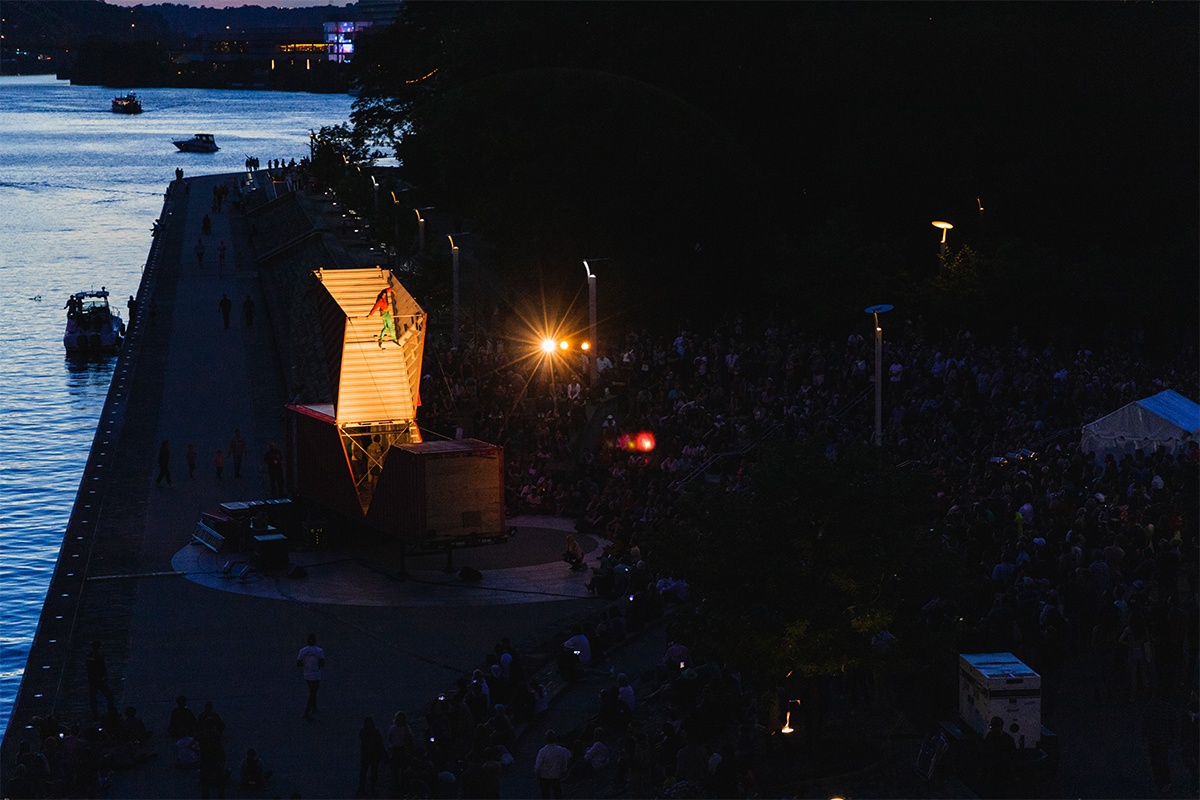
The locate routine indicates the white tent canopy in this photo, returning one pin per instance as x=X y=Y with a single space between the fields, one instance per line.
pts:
x=1168 y=419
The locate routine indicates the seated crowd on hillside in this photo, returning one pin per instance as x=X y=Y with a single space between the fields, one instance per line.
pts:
x=1058 y=546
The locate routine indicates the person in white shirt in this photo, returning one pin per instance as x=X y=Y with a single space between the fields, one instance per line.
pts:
x=576 y=653
x=598 y=755
x=579 y=641
x=550 y=766
x=311 y=659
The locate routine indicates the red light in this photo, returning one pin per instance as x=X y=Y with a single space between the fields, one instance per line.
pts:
x=645 y=441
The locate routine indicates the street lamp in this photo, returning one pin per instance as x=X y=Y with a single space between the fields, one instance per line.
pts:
x=591 y=279
x=875 y=311
x=420 y=230
x=454 y=260
x=945 y=226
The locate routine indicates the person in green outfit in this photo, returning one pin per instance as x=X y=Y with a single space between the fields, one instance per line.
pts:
x=383 y=304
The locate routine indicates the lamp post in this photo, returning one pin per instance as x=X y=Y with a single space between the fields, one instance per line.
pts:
x=875 y=311
x=454 y=260
x=945 y=226
x=591 y=279
x=420 y=230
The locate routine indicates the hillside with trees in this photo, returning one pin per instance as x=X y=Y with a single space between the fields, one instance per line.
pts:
x=796 y=153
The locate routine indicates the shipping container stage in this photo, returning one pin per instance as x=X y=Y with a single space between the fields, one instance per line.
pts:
x=362 y=457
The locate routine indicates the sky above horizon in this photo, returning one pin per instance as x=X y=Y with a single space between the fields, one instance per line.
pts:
x=237 y=3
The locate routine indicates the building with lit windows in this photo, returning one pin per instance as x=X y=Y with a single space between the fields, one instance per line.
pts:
x=339 y=39
x=339 y=36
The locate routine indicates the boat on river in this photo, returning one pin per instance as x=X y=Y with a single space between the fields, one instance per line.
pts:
x=92 y=327
x=200 y=143
x=128 y=104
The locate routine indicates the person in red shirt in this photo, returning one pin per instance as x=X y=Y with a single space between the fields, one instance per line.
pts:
x=383 y=304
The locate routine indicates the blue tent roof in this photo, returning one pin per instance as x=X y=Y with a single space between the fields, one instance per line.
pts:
x=1168 y=419
x=1174 y=408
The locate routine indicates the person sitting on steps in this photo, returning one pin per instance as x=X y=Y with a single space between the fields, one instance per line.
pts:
x=574 y=554
x=253 y=775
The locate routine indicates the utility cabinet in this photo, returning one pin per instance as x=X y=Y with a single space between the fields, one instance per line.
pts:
x=1000 y=685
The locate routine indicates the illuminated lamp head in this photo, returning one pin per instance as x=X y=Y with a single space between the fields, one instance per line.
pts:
x=645 y=441
x=584 y=346
x=945 y=226
x=563 y=345
x=548 y=345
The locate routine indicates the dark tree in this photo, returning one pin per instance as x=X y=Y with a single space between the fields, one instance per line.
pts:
x=800 y=571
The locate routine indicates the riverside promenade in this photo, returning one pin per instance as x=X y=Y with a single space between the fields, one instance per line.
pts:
x=172 y=621
x=171 y=624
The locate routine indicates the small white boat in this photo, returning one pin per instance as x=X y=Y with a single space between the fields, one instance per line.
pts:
x=92 y=327
x=200 y=143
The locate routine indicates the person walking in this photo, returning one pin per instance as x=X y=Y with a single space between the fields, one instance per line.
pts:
x=199 y=249
x=164 y=463
x=220 y=256
x=212 y=759
x=311 y=659
x=371 y=752
x=550 y=766
x=401 y=747
x=97 y=676
x=274 y=461
x=237 y=451
x=999 y=751
x=182 y=722
x=226 y=306
x=1160 y=726
x=219 y=463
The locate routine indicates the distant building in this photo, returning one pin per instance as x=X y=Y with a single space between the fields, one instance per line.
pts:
x=339 y=39
x=365 y=14
x=380 y=13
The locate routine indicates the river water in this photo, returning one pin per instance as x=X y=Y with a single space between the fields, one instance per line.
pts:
x=80 y=188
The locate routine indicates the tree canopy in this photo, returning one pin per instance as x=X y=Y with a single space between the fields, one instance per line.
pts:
x=791 y=155
x=801 y=571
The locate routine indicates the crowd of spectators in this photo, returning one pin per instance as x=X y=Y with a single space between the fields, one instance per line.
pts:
x=1061 y=551
x=1059 y=548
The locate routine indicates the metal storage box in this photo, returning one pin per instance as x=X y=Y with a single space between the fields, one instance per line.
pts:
x=1000 y=685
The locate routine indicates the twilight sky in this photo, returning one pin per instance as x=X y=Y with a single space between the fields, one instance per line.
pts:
x=239 y=3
